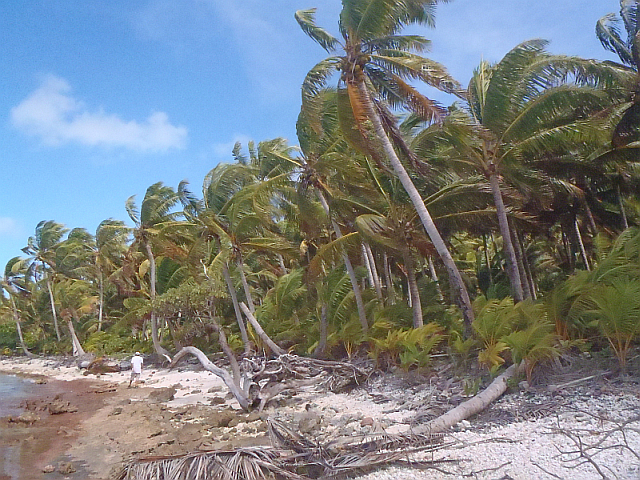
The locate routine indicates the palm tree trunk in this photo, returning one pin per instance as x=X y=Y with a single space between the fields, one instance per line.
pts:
x=387 y=280
x=77 y=346
x=273 y=346
x=625 y=222
x=245 y=284
x=160 y=350
x=367 y=256
x=527 y=268
x=583 y=251
x=347 y=263
x=236 y=308
x=53 y=309
x=101 y=306
x=282 y=265
x=455 y=278
x=526 y=288
x=434 y=277
x=505 y=231
x=414 y=293
x=16 y=318
x=324 y=330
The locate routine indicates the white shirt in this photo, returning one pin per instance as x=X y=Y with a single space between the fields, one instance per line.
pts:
x=136 y=364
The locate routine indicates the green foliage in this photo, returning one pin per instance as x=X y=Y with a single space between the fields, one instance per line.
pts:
x=109 y=343
x=522 y=330
x=8 y=336
x=407 y=348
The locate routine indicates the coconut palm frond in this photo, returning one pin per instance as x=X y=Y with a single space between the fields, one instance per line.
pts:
x=307 y=21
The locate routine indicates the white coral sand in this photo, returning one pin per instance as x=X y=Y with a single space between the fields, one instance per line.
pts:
x=585 y=437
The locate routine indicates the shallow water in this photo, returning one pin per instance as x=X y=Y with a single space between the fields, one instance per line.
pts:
x=12 y=391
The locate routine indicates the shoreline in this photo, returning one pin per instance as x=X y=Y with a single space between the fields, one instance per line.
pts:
x=526 y=434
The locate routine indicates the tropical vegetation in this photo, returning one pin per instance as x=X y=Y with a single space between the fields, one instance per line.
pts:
x=503 y=228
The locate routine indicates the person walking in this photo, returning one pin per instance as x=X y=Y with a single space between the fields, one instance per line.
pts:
x=136 y=368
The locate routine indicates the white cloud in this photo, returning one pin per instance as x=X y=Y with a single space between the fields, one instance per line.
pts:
x=54 y=115
x=9 y=228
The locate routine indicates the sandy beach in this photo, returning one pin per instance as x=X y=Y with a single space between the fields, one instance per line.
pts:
x=580 y=431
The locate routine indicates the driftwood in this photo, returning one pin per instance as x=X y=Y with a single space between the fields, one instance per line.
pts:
x=262 y=379
x=289 y=454
x=240 y=395
x=472 y=406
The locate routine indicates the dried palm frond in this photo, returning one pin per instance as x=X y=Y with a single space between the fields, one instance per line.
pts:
x=290 y=454
x=251 y=463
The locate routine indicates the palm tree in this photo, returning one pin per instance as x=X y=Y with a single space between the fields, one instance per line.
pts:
x=111 y=244
x=42 y=248
x=609 y=33
x=373 y=68
x=521 y=109
x=13 y=283
x=154 y=213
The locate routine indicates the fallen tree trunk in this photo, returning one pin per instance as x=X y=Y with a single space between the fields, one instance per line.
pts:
x=226 y=377
x=472 y=406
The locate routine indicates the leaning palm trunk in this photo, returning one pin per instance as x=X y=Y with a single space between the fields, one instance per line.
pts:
x=236 y=308
x=347 y=263
x=245 y=284
x=160 y=350
x=505 y=231
x=273 y=346
x=583 y=251
x=53 y=309
x=455 y=278
x=16 y=318
x=77 y=346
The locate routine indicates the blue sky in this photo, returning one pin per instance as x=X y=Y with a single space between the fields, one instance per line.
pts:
x=101 y=98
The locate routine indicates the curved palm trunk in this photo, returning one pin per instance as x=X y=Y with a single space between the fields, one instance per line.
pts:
x=455 y=278
x=236 y=308
x=53 y=309
x=16 y=318
x=347 y=263
x=77 y=346
x=160 y=350
x=505 y=231
x=414 y=293
x=245 y=284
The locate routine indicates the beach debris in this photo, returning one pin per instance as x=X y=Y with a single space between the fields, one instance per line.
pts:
x=27 y=418
x=66 y=468
x=289 y=454
x=48 y=469
x=58 y=406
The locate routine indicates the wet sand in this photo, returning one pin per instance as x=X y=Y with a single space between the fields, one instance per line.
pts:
x=30 y=447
